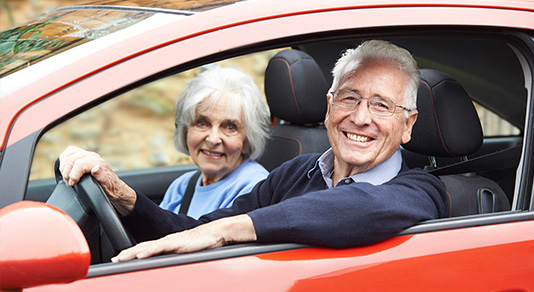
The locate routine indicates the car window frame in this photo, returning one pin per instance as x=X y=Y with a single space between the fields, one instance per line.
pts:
x=522 y=200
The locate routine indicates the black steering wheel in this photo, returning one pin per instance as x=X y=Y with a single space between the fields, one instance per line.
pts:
x=86 y=200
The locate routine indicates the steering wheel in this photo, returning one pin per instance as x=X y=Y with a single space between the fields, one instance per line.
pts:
x=85 y=200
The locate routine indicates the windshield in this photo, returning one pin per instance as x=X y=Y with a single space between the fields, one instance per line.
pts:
x=184 y=5
x=35 y=41
x=69 y=27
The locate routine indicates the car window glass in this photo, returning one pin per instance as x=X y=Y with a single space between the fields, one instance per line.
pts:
x=134 y=130
x=50 y=35
x=493 y=125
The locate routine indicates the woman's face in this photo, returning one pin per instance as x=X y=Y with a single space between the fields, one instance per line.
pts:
x=216 y=140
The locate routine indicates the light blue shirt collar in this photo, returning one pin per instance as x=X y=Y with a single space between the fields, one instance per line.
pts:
x=377 y=175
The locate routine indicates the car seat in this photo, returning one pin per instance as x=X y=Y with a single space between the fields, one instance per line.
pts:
x=448 y=126
x=296 y=89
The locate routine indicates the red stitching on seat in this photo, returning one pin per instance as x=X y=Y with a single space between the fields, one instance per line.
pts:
x=273 y=121
x=436 y=118
x=292 y=86
x=290 y=138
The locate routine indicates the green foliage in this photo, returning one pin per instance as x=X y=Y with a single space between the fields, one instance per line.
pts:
x=15 y=43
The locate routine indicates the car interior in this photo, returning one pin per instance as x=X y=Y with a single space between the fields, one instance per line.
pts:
x=449 y=138
x=447 y=126
x=295 y=89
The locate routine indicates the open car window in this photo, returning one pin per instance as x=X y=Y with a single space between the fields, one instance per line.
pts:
x=494 y=125
x=134 y=130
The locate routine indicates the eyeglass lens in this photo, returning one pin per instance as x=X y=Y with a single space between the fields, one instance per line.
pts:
x=379 y=106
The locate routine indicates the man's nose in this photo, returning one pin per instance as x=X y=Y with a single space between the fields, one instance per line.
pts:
x=361 y=115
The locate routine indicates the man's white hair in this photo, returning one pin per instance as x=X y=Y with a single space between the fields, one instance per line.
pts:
x=378 y=50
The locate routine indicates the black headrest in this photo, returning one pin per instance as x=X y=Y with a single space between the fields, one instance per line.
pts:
x=448 y=124
x=296 y=88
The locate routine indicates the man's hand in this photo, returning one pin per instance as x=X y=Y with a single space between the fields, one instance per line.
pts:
x=210 y=235
x=74 y=162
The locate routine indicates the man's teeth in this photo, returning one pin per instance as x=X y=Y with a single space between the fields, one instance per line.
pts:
x=212 y=153
x=357 y=138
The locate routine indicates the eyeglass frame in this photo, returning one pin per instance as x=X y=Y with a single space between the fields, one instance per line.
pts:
x=333 y=93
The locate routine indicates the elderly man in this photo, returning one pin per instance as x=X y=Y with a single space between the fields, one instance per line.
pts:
x=358 y=192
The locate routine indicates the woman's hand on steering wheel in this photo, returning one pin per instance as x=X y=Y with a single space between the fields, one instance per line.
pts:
x=75 y=162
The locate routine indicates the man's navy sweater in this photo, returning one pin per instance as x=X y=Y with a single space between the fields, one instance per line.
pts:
x=293 y=204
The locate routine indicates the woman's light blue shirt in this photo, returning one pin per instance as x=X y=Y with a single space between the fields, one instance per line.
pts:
x=217 y=195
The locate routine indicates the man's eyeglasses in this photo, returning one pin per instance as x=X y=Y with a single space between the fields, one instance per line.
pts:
x=378 y=106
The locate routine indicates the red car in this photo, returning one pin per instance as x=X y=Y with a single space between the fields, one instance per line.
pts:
x=105 y=76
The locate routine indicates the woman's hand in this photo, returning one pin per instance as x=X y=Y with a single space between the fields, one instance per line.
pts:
x=74 y=162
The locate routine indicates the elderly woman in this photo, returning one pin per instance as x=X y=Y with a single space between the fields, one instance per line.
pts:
x=222 y=122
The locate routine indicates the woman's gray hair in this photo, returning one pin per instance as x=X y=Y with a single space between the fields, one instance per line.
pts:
x=243 y=96
x=378 y=50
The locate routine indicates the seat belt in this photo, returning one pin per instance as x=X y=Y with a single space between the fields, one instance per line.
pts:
x=188 y=196
x=507 y=158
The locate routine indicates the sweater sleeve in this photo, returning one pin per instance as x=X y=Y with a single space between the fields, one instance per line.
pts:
x=355 y=214
x=148 y=221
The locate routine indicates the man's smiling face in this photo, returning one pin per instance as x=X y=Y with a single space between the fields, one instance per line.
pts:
x=360 y=140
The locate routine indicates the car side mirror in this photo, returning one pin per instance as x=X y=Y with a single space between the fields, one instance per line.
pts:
x=40 y=244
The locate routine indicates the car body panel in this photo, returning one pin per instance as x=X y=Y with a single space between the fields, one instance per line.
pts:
x=437 y=261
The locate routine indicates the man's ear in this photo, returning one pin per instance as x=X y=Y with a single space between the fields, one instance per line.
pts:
x=328 y=104
x=410 y=121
